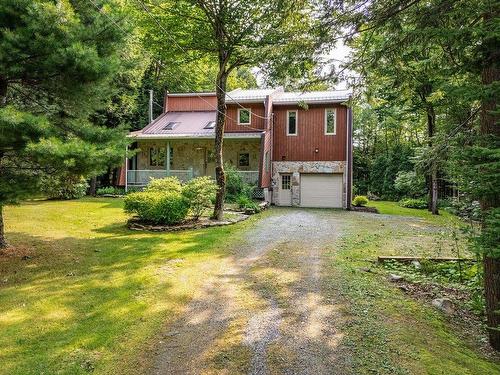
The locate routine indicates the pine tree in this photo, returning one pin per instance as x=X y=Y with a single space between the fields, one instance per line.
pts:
x=57 y=63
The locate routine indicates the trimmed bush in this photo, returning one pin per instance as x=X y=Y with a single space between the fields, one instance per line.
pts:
x=64 y=187
x=158 y=207
x=413 y=203
x=166 y=185
x=360 y=201
x=200 y=192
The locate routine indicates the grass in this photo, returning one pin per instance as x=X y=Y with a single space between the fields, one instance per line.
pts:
x=81 y=293
x=392 y=208
x=89 y=292
x=388 y=331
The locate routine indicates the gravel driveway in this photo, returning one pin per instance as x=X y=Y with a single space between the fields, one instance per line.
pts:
x=263 y=311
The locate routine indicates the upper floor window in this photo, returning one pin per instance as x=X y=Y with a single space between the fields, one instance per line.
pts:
x=291 y=123
x=157 y=156
x=244 y=116
x=330 y=121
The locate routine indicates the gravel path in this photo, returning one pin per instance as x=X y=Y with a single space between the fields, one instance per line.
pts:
x=294 y=330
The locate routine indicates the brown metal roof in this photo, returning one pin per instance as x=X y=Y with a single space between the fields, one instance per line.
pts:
x=188 y=125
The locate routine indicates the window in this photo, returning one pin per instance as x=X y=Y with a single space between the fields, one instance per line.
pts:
x=267 y=161
x=291 y=123
x=244 y=159
x=171 y=125
x=157 y=156
x=210 y=125
x=171 y=157
x=244 y=116
x=330 y=121
x=285 y=182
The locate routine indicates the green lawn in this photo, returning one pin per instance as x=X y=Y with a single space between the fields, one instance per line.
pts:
x=80 y=292
x=392 y=208
x=89 y=291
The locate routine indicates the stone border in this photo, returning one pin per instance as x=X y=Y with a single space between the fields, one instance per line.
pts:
x=135 y=224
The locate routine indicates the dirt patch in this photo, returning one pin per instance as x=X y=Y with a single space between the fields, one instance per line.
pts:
x=22 y=252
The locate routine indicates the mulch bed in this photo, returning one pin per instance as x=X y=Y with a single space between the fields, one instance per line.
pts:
x=136 y=224
x=371 y=210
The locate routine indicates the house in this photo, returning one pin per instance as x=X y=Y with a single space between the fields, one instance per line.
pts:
x=295 y=147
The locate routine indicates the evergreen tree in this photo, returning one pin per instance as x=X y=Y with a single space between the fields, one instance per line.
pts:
x=57 y=64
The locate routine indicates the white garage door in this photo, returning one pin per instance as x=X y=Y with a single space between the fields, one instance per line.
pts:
x=321 y=190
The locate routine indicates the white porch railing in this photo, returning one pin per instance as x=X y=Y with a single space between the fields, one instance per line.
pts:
x=140 y=178
x=250 y=177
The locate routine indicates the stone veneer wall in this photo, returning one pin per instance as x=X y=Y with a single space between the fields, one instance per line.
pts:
x=295 y=168
x=191 y=153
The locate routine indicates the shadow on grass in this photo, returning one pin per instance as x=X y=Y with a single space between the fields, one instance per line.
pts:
x=88 y=294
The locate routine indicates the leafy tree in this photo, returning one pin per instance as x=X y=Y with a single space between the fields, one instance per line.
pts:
x=57 y=64
x=238 y=34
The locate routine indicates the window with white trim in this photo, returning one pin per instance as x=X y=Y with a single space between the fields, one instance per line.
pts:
x=330 y=121
x=244 y=116
x=291 y=123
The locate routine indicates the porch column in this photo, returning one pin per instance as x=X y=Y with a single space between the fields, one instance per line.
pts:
x=168 y=158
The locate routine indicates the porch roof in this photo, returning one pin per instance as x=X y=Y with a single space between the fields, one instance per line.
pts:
x=185 y=125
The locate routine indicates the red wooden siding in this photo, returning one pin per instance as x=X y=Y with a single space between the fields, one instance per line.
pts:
x=311 y=135
x=191 y=103
x=257 y=123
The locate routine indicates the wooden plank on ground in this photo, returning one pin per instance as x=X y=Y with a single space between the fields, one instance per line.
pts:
x=383 y=258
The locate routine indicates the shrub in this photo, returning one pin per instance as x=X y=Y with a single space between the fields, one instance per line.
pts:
x=158 y=207
x=166 y=185
x=246 y=203
x=235 y=186
x=110 y=190
x=64 y=187
x=360 y=201
x=413 y=203
x=200 y=192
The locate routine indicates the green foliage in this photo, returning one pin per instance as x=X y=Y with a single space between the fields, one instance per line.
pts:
x=110 y=190
x=246 y=203
x=410 y=184
x=360 y=201
x=200 y=192
x=63 y=187
x=413 y=203
x=58 y=64
x=235 y=186
x=158 y=207
x=166 y=184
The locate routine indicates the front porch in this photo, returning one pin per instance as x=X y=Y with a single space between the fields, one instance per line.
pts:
x=190 y=158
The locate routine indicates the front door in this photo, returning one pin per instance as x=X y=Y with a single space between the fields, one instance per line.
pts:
x=285 y=190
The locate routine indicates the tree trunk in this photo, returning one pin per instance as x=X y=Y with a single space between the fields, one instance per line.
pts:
x=93 y=186
x=3 y=241
x=491 y=129
x=433 y=183
x=219 y=138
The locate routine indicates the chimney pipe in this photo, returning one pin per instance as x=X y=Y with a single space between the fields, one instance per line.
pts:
x=150 y=106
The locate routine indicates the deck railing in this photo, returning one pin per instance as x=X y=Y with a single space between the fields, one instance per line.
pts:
x=140 y=178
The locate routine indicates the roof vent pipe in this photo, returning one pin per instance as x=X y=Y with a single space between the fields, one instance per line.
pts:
x=150 y=106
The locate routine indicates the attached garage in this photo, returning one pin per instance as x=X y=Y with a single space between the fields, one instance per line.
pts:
x=321 y=190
